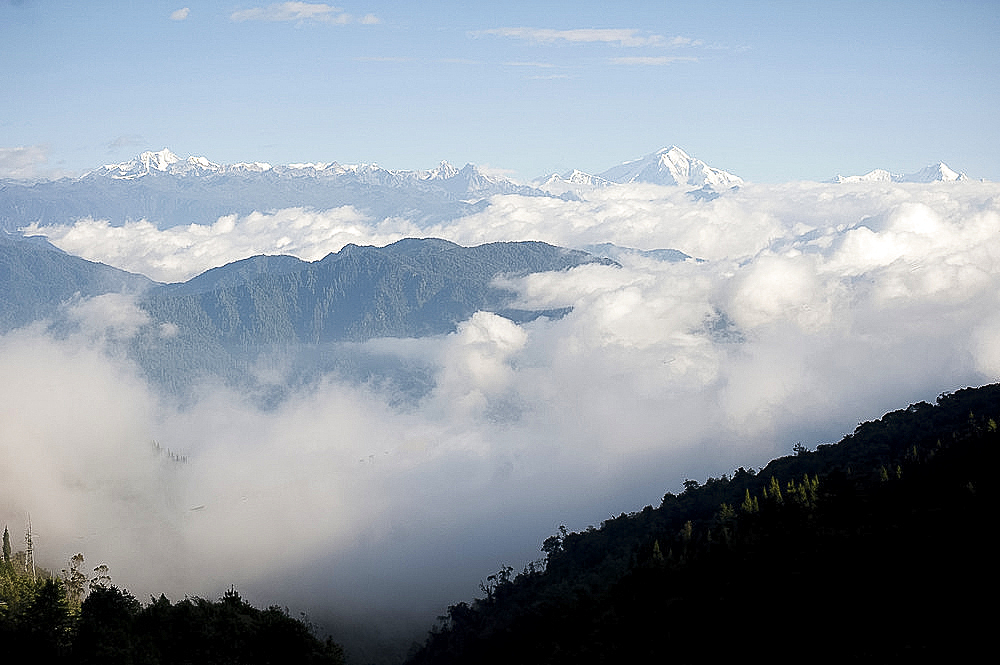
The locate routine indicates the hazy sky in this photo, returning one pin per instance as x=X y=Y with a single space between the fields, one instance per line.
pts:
x=771 y=91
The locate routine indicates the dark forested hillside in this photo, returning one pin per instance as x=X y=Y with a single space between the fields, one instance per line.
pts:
x=220 y=323
x=411 y=288
x=36 y=278
x=873 y=549
x=223 y=319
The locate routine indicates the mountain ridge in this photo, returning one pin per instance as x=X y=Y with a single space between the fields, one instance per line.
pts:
x=670 y=166
x=939 y=172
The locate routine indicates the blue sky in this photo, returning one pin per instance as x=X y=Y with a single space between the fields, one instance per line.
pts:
x=771 y=91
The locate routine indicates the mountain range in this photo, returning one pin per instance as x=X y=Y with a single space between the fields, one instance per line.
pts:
x=934 y=173
x=168 y=191
x=221 y=322
x=36 y=278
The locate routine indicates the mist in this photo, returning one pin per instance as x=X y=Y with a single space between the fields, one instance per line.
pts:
x=807 y=309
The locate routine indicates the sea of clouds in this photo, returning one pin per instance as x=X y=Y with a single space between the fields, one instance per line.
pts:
x=806 y=309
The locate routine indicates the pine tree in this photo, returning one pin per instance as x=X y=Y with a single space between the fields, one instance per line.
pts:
x=6 y=546
x=750 y=503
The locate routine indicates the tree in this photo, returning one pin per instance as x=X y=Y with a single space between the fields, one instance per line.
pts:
x=6 y=546
x=101 y=578
x=105 y=630
x=48 y=623
x=74 y=580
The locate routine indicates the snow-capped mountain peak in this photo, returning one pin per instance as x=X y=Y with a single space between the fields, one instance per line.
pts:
x=667 y=166
x=163 y=161
x=442 y=172
x=158 y=160
x=141 y=165
x=671 y=166
x=934 y=173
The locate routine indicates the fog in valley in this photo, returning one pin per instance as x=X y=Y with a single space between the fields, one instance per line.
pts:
x=805 y=309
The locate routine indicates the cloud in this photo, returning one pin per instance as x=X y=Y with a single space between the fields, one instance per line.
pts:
x=301 y=12
x=816 y=306
x=615 y=36
x=541 y=65
x=126 y=141
x=23 y=161
x=652 y=60
x=179 y=253
x=383 y=58
x=180 y=14
x=685 y=41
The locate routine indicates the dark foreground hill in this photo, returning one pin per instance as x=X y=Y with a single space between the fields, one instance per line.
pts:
x=875 y=549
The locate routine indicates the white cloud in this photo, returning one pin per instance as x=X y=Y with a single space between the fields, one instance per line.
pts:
x=293 y=11
x=616 y=36
x=817 y=306
x=652 y=60
x=542 y=65
x=179 y=253
x=22 y=161
x=180 y=14
x=111 y=315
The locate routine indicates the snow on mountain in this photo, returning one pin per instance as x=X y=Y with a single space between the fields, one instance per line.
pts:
x=167 y=191
x=468 y=181
x=571 y=181
x=165 y=161
x=934 y=173
x=442 y=172
x=671 y=166
x=142 y=165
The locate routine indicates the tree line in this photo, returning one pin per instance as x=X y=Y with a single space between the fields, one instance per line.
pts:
x=873 y=549
x=76 y=618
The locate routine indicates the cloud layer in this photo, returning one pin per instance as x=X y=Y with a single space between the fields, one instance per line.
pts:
x=813 y=307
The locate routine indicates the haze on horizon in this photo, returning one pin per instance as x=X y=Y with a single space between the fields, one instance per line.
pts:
x=771 y=91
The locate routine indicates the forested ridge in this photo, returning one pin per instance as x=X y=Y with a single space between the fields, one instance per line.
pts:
x=873 y=549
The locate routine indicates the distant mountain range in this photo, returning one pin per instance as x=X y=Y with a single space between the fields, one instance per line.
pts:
x=167 y=191
x=934 y=173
